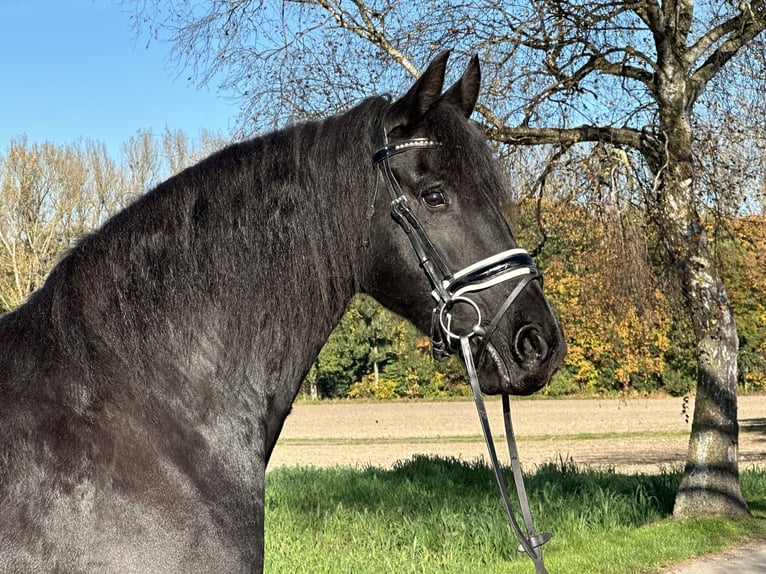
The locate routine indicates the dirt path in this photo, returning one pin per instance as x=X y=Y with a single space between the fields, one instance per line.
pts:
x=635 y=435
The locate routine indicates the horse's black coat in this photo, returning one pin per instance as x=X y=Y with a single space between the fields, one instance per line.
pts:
x=143 y=387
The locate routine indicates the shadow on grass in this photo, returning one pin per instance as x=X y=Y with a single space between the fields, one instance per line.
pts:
x=559 y=493
x=444 y=515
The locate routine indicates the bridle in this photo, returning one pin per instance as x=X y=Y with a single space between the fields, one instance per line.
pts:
x=450 y=289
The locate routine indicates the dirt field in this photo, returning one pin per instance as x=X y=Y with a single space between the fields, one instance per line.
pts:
x=635 y=435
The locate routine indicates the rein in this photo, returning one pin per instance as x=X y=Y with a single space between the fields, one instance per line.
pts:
x=450 y=290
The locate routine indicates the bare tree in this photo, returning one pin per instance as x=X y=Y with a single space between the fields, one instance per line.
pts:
x=142 y=162
x=180 y=151
x=634 y=74
x=50 y=196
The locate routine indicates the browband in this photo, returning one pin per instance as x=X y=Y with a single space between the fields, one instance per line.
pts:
x=393 y=149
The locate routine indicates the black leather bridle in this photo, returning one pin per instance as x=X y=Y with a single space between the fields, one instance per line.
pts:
x=451 y=289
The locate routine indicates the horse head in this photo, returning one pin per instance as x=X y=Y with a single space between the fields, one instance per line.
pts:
x=444 y=188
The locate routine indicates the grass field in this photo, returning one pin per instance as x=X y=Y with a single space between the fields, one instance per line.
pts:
x=430 y=514
x=435 y=515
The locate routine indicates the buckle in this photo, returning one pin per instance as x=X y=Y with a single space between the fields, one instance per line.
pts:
x=536 y=540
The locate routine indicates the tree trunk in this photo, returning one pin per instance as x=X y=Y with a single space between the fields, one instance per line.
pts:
x=711 y=477
x=313 y=389
x=710 y=484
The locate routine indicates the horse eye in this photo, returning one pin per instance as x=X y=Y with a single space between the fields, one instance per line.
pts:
x=434 y=199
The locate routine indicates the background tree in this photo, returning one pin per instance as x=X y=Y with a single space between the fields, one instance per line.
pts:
x=373 y=353
x=50 y=195
x=742 y=254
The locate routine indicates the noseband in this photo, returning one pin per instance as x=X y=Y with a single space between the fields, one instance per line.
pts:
x=450 y=290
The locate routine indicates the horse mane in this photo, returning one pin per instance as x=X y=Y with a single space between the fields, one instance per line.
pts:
x=193 y=263
x=250 y=249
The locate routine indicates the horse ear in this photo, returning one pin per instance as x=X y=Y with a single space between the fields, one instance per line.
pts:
x=465 y=91
x=410 y=108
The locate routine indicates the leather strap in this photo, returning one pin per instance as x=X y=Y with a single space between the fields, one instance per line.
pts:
x=492 y=327
x=531 y=542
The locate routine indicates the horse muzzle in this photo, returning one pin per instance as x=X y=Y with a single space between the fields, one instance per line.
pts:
x=522 y=363
x=520 y=348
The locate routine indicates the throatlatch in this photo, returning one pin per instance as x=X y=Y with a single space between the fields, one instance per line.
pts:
x=450 y=289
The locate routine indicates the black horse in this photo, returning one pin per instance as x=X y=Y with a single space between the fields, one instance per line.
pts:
x=143 y=387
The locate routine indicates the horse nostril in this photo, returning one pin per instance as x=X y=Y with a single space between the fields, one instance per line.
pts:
x=529 y=345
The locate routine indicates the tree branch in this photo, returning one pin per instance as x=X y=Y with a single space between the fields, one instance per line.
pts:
x=566 y=136
x=368 y=30
x=753 y=22
x=677 y=15
x=651 y=15
x=704 y=43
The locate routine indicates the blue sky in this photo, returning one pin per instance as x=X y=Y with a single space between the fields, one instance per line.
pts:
x=75 y=68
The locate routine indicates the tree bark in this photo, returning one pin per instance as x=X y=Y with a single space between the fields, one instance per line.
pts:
x=710 y=484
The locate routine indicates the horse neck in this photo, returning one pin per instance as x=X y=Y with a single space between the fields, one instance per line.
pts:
x=256 y=250
x=327 y=201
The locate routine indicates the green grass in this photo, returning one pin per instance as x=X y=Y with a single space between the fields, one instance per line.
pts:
x=434 y=515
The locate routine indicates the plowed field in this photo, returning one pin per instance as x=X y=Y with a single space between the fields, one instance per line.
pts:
x=634 y=435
